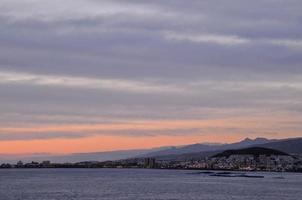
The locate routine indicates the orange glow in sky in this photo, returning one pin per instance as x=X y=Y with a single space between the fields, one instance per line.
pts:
x=134 y=135
x=103 y=143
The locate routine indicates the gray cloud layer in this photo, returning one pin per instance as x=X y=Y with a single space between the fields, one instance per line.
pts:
x=105 y=61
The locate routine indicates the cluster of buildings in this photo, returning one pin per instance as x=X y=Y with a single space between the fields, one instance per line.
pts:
x=242 y=163
x=20 y=164
x=149 y=163
x=258 y=163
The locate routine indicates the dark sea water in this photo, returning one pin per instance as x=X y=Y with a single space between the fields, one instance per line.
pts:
x=132 y=184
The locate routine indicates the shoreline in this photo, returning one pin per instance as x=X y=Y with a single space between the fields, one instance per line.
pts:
x=203 y=171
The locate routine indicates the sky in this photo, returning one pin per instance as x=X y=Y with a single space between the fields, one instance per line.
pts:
x=102 y=75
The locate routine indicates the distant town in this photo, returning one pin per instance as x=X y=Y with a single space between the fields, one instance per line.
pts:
x=249 y=159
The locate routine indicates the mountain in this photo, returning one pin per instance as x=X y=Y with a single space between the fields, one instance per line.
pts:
x=197 y=148
x=250 y=142
x=255 y=151
x=187 y=156
x=179 y=152
x=291 y=146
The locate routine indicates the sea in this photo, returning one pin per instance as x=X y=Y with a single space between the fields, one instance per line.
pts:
x=135 y=184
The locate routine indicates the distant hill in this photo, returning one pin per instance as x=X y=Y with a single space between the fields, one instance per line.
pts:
x=255 y=151
x=290 y=146
x=186 y=156
x=197 y=148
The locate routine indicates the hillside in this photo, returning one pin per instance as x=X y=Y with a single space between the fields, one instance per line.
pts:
x=255 y=151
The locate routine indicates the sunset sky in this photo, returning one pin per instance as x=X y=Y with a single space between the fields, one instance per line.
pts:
x=103 y=75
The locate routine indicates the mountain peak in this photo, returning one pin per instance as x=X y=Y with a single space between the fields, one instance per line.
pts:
x=247 y=140
x=256 y=140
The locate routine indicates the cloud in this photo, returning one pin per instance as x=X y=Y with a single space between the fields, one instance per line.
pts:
x=231 y=40
x=207 y=38
x=54 y=10
x=290 y=43
x=159 y=86
x=78 y=12
x=86 y=83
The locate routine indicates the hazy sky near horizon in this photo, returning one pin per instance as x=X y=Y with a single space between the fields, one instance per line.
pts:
x=96 y=75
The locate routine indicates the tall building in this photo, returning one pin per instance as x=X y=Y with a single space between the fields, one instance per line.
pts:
x=149 y=163
x=19 y=164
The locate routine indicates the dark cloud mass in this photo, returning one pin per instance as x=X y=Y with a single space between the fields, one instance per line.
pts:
x=89 y=61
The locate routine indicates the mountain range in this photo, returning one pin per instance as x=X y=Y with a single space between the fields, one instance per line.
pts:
x=179 y=153
x=208 y=147
x=200 y=151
